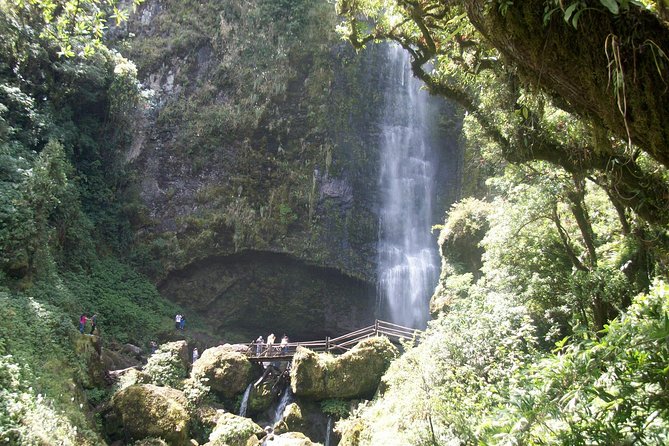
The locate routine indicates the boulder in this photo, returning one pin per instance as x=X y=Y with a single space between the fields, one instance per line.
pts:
x=261 y=398
x=148 y=411
x=151 y=442
x=227 y=372
x=168 y=366
x=290 y=439
x=355 y=374
x=233 y=430
x=89 y=349
x=117 y=360
x=307 y=375
x=132 y=350
x=293 y=418
x=203 y=421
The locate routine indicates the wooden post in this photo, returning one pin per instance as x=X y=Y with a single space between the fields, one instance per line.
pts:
x=327 y=344
x=376 y=327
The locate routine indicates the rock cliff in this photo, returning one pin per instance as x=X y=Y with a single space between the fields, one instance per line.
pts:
x=254 y=154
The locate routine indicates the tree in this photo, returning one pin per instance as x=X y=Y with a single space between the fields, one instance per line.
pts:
x=76 y=26
x=490 y=57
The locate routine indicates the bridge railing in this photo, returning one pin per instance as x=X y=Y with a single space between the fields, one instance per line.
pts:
x=340 y=344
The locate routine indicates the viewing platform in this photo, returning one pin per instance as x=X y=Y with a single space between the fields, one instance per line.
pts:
x=341 y=344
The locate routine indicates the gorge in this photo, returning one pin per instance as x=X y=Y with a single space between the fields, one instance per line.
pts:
x=491 y=172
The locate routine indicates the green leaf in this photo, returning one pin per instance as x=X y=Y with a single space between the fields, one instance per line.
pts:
x=569 y=11
x=611 y=5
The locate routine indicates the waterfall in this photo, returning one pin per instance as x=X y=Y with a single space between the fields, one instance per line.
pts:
x=327 y=432
x=286 y=398
x=245 y=401
x=407 y=253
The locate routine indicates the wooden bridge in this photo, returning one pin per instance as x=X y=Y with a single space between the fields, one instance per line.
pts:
x=276 y=352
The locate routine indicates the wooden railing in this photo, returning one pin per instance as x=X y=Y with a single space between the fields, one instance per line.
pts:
x=340 y=344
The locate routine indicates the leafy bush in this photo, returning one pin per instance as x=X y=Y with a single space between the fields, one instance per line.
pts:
x=335 y=407
x=166 y=366
x=476 y=379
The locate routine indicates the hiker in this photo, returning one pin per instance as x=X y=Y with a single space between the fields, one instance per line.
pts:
x=177 y=321
x=270 y=342
x=284 y=344
x=82 y=322
x=182 y=322
x=94 y=323
x=259 y=342
x=195 y=355
x=153 y=346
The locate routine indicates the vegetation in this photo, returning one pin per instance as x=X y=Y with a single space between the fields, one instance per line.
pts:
x=551 y=316
x=567 y=228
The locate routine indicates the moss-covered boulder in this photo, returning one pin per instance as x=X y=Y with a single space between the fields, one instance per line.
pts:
x=261 y=398
x=233 y=430
x=89 y=348
x=293 y=418
x=354 y=374
x=227 y=372
x=292 y=439
x=148 y=411
x=168 y=366
x=203 y=421
x=307 y=375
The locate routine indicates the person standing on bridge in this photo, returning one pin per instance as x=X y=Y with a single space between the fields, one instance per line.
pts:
x=259 y=342
x=284 y=344
x=270 y=343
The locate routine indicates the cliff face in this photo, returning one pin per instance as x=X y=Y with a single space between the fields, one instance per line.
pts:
x=254 y=140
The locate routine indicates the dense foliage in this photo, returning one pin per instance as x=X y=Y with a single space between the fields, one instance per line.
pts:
x=563 y=223
x=63 y=218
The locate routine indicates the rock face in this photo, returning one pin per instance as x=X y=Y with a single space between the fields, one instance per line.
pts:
x=148 y=411
x=233 y=430
x=259 y=293
x=255 y=156
x=355 y=374
x=228 y=372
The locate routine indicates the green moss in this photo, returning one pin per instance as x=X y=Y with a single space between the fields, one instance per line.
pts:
x=232 y=430
x=227 y=372
x=149 y=411
x=356 y=373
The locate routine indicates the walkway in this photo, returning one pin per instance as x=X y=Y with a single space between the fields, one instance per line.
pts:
x=337 y=345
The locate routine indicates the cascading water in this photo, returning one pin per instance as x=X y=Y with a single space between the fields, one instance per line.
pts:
x=245 y=401
x=408 y=262
x=286 y=398
x=328 y=431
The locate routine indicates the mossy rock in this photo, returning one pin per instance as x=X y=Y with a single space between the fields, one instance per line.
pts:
x=293 y=418
x=355 y=374
x=227 y=372
x=148 y=411
x=292 y=439
x=351 y=432
x=90 y=348
x=203 y=422
x=150 y=442
x=261 y=398
x=168 y=366
x=233 y=430
x=116 y=360
x=307 y=375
